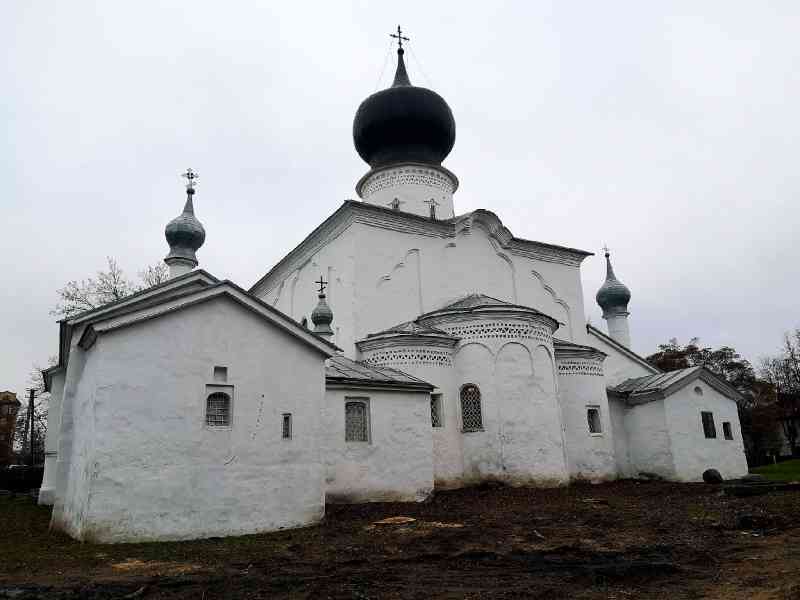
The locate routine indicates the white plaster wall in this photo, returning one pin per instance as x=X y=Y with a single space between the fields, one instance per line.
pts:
x=448 y=454
x=47 y=491
x=521 y=441
x=693 y=452
x=380 y=277
x=395 y=465
x=649 y=444
x=413 y=185
x=617 y=410
x=590 y=456
x=617 y=366
x=142 y=465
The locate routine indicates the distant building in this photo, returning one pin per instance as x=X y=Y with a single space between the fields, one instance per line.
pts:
x=9 y=407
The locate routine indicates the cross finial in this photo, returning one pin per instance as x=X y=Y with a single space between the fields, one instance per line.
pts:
x=190 y=176
x=399 y=37
x=321 y=283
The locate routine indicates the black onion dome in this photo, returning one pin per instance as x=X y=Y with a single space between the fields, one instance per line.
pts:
x=613 y=296
x=185 y=234
x=404 y=123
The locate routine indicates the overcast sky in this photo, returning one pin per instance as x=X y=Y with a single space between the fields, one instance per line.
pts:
x=669 y=131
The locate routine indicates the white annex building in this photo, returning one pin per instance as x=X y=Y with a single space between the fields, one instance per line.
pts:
x=444 y=351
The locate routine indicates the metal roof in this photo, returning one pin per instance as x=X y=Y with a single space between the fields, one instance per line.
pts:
x=654 y=383
x=340 y=369
x=412 y=327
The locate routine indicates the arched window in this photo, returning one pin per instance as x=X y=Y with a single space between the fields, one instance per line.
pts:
x=471 y=418
x=218 y=410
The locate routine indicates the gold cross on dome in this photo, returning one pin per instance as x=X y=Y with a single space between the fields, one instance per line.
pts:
x=321 y=283
x=399 y=37
x=190 y=176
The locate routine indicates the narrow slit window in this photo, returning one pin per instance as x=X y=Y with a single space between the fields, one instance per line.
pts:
x=709 y=429
x=286 y=431
x=471 y=415
x=218 y=410
x=436 y=410
x=356 y=421
x=593 y=417
x=727 y=431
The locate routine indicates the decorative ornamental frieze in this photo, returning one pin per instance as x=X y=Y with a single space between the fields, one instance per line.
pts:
x=428 y=357
x=498 y=330
x=577 y=366
x=406 y=176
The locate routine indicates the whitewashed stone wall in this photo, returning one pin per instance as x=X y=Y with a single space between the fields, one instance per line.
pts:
x=618 y=366
x=617 y=410
x=581 y=385
x=448 y=453
x=649 y=444
x=396 y=464
x=692 y=452
x=136 y=460
x=521 y=441
x=380 y=277
x=47 y=492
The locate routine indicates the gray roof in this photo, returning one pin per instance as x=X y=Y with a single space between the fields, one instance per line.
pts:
x=662 y=385
x=653 y=383
x=342 y=370
x=412 y=327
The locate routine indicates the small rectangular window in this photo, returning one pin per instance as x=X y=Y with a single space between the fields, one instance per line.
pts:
x=287 y=426
x=436 y=410
x=593 y=417
x=709 y=429
x=356 y=421
x=221 y=374
x=727 y=431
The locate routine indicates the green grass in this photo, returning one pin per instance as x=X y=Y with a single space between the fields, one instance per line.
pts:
x=785 y=471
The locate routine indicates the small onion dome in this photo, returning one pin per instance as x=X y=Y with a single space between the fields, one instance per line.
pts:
x=322 y=317
x=404 y=123
x=185 y=234
x=613 y=296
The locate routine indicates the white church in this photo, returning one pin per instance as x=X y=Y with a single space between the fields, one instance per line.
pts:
x=399 y=349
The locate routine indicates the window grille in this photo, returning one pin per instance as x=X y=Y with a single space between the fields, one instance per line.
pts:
x=286 y=432
x=436 y=410
x=727 y=431
x=356 y=425
x=471 y=418
x=218 y=410
x=709 y=429
x=593 y=416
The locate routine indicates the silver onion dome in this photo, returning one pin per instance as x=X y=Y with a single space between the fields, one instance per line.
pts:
x=613 y=296
x=185 y=234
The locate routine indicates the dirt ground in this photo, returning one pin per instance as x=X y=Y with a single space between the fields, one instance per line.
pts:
x=617 y=540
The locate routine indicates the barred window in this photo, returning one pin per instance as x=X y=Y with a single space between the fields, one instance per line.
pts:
x=356 y=421
x=471 y=418
x=593 y=416
x=218 y=410
x=727 y=431
x=709 y=429
x=436 y=410
x=286 y=432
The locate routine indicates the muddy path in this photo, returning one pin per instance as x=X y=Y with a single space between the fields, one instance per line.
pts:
x=617 y=540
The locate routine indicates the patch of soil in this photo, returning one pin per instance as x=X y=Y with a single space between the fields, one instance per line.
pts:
x=616 y=540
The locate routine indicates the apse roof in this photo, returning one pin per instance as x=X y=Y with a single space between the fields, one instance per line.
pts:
x=412 y=327
x=342 y=370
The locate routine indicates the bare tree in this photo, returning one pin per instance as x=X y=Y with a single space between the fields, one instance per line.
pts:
x=783 y=372
x=108 y=286
x=33 y=447
x=154 y=274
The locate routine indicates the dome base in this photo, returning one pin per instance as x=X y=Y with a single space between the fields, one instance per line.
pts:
x=410 y=187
